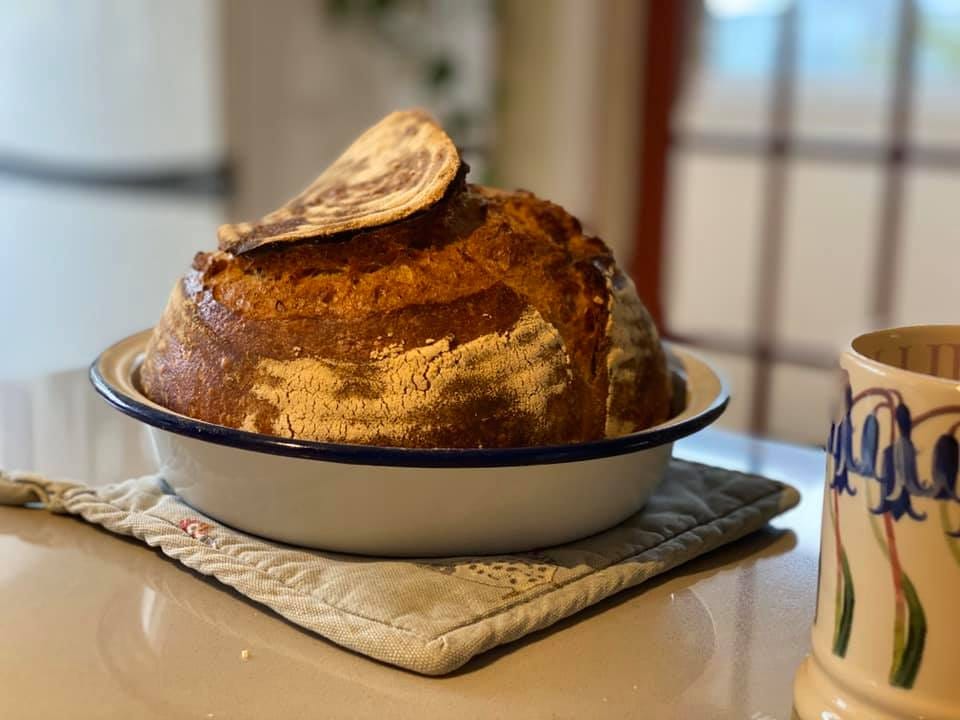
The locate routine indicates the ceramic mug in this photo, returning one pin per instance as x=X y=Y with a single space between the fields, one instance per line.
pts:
x=886 y=633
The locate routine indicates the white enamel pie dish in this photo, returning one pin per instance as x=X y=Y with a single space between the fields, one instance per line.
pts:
x=408 y=502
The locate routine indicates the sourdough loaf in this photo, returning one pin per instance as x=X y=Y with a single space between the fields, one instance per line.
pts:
x=485 y=319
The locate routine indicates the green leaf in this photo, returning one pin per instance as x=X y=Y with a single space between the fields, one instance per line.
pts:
x=378 y=7
x=439 y=72
x=907 y=658
x=338 y=9
x=846 y=599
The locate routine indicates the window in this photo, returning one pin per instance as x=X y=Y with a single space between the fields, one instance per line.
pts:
x=809 y=189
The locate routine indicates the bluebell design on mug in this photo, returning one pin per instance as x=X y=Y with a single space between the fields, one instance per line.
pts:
x=893 y=477
x=885 y=636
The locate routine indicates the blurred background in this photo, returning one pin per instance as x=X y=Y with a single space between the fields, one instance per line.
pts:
x=777 y=174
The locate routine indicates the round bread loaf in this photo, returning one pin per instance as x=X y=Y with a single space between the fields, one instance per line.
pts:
x=490 y=320
x=391 y=303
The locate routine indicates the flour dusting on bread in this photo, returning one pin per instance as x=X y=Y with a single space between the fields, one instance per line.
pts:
x=400 y=166
x=633 y=340
x=319 y=398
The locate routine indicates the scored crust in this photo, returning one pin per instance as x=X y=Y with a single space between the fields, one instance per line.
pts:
x=400 y=166
x=491 y=320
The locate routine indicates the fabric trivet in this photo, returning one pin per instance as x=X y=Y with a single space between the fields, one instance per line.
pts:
x=430 y=616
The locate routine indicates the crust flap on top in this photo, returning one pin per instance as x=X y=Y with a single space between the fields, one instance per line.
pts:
x=400 y=166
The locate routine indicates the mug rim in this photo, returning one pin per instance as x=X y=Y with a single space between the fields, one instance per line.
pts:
x=879 y=366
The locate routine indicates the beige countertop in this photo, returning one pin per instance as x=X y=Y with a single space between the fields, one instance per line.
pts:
x=95 y=626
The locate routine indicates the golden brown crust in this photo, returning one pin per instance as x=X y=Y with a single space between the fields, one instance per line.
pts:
x=496 y=306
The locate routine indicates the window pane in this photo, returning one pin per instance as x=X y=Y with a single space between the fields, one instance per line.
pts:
x=728 y=86
x=712 y=244
x=114 y=255
x=831 y=228
x=937 y=116
x=127 y=84
x=801 y=399
x=927 y=288
x=738 y=371
x=845 y=56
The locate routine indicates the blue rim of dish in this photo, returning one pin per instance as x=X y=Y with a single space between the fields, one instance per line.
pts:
x=406 y=457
